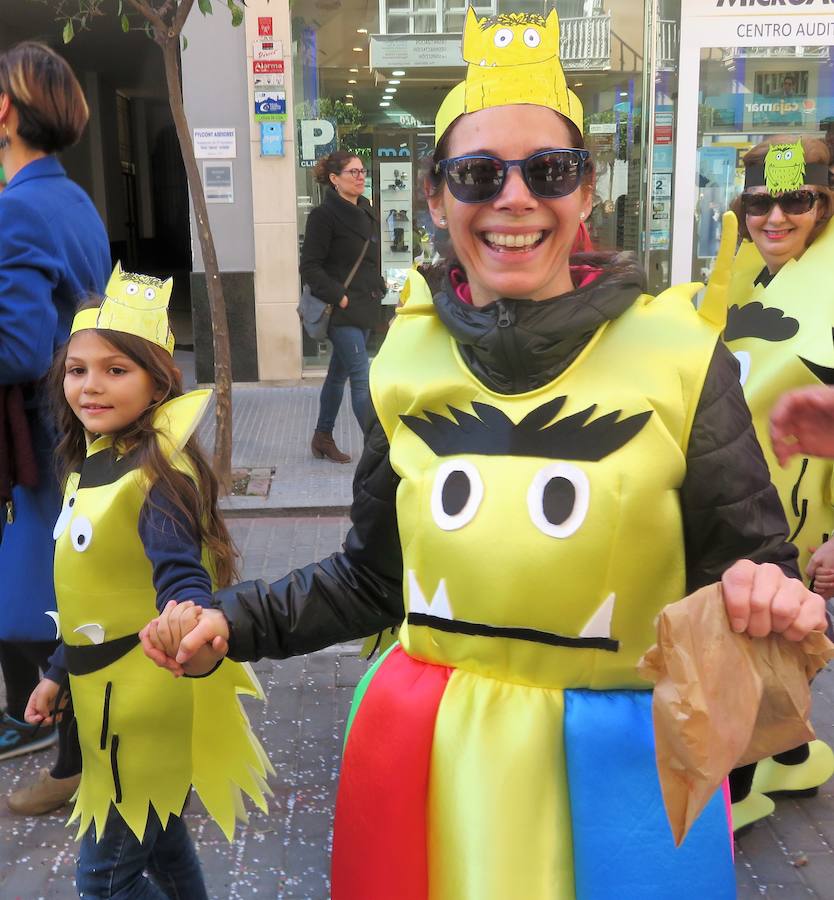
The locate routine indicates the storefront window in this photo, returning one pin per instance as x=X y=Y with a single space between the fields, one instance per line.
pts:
x=373 y=87
x=748 y=94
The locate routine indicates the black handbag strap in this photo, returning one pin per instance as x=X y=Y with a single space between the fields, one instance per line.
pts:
x=356 y=264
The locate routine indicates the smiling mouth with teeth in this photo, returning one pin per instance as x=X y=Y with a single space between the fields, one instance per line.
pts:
x=498 y=240
x=437 y=614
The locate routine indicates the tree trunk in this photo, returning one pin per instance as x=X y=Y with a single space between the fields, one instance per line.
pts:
x=222 y=462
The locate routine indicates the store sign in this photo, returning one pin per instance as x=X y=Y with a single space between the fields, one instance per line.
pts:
x=393 y=151
x=738 y=5
x=392 y=51
x=267 y=81
x=215 y=143
x=268 y=67
x=316 y=137
x=266 y=50
x=270 y=106
x=265 y=26
x=218 y=182
x=272 y=139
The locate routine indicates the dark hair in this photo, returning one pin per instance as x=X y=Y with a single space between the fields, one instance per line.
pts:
x=195 y=497
x=51 y=109
x=816 y=151
x=332 y=164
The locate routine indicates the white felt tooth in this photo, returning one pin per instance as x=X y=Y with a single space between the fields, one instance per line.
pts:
x=53 y=614
x=599 y=625
x=440 y=602
x=483 y=62
x=416 y=597
x=93 y=631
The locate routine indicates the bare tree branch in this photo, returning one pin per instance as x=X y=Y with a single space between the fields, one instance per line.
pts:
x=181 y=15
x=150 y=14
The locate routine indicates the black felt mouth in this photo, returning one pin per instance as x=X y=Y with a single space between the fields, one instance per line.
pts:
x=459 y=626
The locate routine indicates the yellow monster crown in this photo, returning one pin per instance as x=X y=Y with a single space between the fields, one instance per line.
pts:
x=784 y=167
x=134 y=304
x=513 y=58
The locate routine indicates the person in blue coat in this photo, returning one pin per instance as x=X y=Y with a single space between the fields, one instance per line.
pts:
x=54 y=252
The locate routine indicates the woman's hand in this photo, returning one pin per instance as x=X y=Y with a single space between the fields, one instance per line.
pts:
x=802 y=422
x=41 y=705
x=343 y=302
x=761 y=599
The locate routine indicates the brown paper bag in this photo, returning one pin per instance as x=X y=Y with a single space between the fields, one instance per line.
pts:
x=722 y=699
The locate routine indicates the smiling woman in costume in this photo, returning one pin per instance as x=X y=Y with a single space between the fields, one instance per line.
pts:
x=529 y=430
x=778 y=325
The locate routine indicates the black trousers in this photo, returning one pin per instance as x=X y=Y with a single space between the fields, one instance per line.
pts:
x=22 y=663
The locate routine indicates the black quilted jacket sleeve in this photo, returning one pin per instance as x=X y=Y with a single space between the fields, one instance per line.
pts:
x=349 y=595
x=731 y=510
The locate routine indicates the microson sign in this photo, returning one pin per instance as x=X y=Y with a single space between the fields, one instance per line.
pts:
x=771 y=4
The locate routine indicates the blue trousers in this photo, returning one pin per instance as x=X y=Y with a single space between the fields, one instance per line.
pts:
x=349 y=361
x=115 y=866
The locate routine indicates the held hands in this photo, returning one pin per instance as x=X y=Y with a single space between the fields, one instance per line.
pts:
x=41 y=706
x=761 y=599
x=821 y=568
x=186 y=639
x=802 y=422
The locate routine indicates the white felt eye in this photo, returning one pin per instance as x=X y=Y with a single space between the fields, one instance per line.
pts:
x=558 y=499
x=503 y=37
x=150 y=294
x=132 y=289
x=81 y=533
x=532 y=37
x=64 y=517
x=743 y=358
x=789 y=154
x=779 y=155
x=457 y=493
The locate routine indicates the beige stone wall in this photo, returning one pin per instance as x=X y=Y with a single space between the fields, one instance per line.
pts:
x=276 y=228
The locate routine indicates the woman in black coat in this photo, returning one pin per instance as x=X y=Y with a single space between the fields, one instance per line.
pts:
x=338 y=231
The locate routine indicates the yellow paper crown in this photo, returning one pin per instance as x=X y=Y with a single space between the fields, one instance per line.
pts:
x=513 y=58
x=134 y=304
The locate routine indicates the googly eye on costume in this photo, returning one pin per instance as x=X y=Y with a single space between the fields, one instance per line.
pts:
x=558 y=499
x=81 y=533
x=132 y=289
x=503 y=37
x=64 y=517
x=532 y=38
x=743 y=358
x=457 y=493
x=150 y=294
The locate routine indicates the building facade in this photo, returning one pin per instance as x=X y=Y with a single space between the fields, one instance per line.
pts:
x=667 y=129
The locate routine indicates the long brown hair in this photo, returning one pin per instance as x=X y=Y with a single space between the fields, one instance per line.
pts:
x=195 y=498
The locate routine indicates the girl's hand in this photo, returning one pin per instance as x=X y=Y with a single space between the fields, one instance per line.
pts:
x=161 y=636
x=41 y=704
x=821 y=567
x=343 y=302
x=761 y=599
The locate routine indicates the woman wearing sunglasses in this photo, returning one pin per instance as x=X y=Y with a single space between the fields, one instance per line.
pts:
x=538 y=482
x=781 y=310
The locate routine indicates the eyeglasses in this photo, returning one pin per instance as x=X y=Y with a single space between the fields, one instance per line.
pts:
x=548 y=174
x=792 y=203
x=356 y=173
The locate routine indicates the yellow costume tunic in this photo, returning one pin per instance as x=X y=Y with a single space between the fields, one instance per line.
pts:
x=541 y=534
x=782 y=337
x=145 y=737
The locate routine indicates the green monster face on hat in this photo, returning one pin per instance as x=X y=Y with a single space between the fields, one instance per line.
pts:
x=784 y=167
x=513 y=58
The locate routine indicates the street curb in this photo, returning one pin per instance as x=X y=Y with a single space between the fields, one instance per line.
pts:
x=284 y=512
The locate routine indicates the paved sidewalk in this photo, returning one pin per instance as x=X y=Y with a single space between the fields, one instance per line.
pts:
x=271 y=429
x=285 y=853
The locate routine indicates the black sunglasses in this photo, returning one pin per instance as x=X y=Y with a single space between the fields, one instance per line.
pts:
x=548 y=174
x=792 y=203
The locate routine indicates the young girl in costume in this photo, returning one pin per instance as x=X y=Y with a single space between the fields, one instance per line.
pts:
x=552 y=460
x=776 y=319
x=139 y=527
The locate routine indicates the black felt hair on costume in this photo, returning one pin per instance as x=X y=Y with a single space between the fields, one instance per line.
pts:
x=824 y=373
x=753 y=320
x=490 y=432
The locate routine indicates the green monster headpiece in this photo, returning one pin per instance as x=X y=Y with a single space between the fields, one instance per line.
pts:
x=785 y=169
